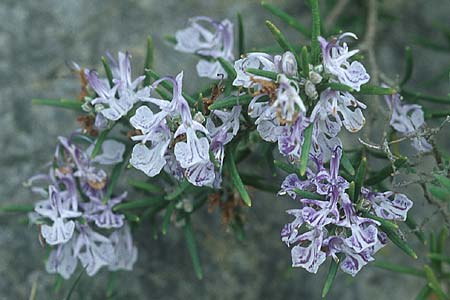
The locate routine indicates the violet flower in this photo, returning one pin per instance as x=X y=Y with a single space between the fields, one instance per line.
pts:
x=310 y=256
x=288 y=102
x=101 y=212
x=285 y=64
x=93 y=249
x=120 y=98
x=335 y=61
x=126 y=87
x=57 y=210
x=125 y=253
x=357 y=238
x=291 y=138
x=62 y=260
x=112 y=152
x=388 y=205
x=209 y=38
x=115 y=107
x=408 y=119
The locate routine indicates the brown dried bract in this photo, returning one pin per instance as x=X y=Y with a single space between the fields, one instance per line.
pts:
x=65 y=170
x=217 y=90
x=180 y=138
x=98 y=185
x=84 y=84
x=267 y=87
x=40 y=237
x=134 y=132
x=228 y=208
x=87 y=123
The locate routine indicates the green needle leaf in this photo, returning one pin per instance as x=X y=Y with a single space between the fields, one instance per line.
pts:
x=434 y=284
x=408 y=66
x=305 y=62
x=108 y=71
x=419 y=96
x=315 y=32
x=241 y=40
x=237 y=181
x=438 y=192
x=330 y=276
x=228 y=67
x=148 y=60
x=137 y=204
x=444 y=181
x=288 y=168
x=63 y=103
x=384 y=222
x=230 y=102
x=167 y=216
x=115 y=175
x=368 y=89
x=440 y=257
x=145 y=186
x=74 y=285
x=192 y=247
x=398 y=268
x=359 y=178
x=169 y=86
x=346 y=164
x=351 y=191
x=398 y=241
x=337 y=87
x=282 y=40
x=289 y=20
x=17 y=208
x=304 y=157
x=178 y=191
x=99 y=142
x=429 y=114
x=171 y=39
x=263 y=73
x=308 y=195
x=424 y=293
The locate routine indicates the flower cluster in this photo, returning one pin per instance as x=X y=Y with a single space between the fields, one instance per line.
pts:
x=179 y=142
x=333 y=225
x=286 y=101
x=77 y=211
x=278 y=106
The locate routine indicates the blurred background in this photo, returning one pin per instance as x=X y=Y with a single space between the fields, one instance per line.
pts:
x=38 y=37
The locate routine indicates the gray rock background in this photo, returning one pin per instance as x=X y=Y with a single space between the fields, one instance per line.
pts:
x=37 y=37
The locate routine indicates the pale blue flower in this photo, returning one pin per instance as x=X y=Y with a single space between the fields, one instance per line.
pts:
x=101 y=213
x=93 y=249
x=111 y=154
x=58 y=211
x=388 y=205
x=125 y=253
x=308 y=252
x=209 y=38
x=335 y=62
x=62 y=260
x=408 y=119
x=285 y=64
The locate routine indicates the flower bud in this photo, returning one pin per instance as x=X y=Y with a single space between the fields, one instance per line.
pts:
x=289 y=64
x=310 y=90
x=199 y=117
x=315 y=77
